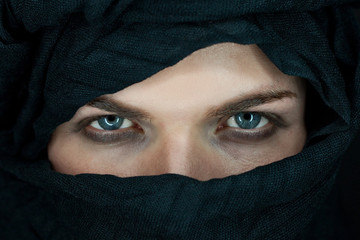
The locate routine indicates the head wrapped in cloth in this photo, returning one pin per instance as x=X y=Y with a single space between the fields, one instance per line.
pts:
x=59 y=55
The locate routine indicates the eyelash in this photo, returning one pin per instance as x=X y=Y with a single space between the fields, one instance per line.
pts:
x=134 y=132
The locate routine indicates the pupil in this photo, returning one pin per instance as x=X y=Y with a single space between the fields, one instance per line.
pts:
x=111 y=118
x=247 y=116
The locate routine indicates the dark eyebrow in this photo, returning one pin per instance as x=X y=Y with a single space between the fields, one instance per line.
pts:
x=237 y=106
x=120 y=109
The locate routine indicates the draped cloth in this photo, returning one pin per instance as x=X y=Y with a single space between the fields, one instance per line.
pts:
x=55 y=56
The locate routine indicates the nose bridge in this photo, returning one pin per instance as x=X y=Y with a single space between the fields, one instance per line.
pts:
x=181 y=152
x=177 y=154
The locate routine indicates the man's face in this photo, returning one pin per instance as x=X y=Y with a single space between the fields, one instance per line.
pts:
x=223 y=110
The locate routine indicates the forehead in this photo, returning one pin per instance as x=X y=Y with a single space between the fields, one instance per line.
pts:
x=232 y=57
x=207 y=78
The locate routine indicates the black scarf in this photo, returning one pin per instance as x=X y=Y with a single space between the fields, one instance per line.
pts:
x=57 y=55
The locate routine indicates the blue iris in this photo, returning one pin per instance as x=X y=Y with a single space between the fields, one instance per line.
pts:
x=248 y=120
x=110 y=122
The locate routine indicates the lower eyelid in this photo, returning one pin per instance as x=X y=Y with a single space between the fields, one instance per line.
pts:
x=115 y=136
x=236 y=135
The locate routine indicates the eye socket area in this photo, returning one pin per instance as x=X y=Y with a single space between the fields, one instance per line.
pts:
x=111 y=123
x=247 y=120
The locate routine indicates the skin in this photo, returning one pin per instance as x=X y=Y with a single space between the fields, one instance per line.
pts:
x=181 y=128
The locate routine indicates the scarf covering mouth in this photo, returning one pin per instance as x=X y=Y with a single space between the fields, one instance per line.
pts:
x=58 y=55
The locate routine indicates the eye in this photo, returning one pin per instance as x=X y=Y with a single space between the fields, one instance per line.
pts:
x=111 y=122
x=247 y=120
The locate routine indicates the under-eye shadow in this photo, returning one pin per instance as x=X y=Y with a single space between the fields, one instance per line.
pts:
x=249 y=136
x=113 y=137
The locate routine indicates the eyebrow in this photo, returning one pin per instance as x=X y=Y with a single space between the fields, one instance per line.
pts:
x=227 y=109
x=237 y=106
x=120 y=109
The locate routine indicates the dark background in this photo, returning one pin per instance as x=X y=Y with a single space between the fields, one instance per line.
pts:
x=349 y=181
x=352 y=157
x=353 y=154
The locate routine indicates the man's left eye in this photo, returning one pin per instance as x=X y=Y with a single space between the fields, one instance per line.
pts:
x=111 y=122
x=247 y=120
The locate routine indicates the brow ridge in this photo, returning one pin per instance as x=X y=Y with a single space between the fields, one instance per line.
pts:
x=251 y=101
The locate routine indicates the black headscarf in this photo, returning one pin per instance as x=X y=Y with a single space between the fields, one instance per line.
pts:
x=55 y=56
